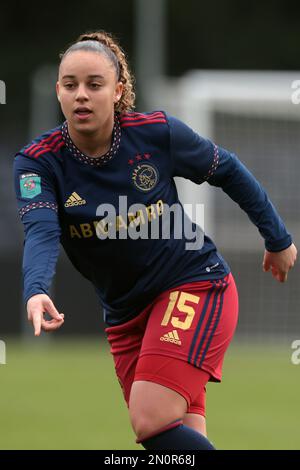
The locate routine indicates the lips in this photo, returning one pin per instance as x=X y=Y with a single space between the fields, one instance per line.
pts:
x=82 y=112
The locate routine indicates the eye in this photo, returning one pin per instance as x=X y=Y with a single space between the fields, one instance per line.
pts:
x=69 y=86
x=95 y=86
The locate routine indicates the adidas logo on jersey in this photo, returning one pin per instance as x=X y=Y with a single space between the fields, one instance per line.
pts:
x=171 y=337
x=75 y=200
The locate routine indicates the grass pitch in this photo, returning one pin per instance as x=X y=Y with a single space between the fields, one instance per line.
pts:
x=64 y=395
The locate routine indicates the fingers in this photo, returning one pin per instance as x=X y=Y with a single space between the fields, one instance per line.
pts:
x=280 y=276
x=266 y=267
x=37 y=323
x=266 y=264
x=37 y=306
x=49 y=305
x=51 y=325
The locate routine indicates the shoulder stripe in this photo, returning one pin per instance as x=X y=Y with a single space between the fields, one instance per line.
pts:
x=142 y=123
x=140 y=116
x=50 y=143
x=47 y=146
x=47 y=149
x=44 y=145
x=46 y=139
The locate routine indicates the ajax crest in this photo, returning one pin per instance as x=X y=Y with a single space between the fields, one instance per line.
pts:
x=145 y=177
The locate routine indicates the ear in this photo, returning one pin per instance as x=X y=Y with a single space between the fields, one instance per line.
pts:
x=118 y=92
x=57 y=91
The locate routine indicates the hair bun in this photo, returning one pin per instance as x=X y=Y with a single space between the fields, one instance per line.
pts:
x=92 y=37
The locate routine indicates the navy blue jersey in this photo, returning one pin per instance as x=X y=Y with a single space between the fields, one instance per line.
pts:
x=59 y=190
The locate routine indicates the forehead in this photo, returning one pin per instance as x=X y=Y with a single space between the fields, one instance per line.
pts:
x=86 y=63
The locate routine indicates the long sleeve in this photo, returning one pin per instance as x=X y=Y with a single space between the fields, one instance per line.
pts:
x=200 y=160
x=36 y=198
x=41 y=249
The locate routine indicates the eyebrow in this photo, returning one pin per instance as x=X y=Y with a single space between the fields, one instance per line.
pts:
x=89 y=76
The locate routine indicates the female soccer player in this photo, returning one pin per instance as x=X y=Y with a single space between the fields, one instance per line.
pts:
x=101 y=181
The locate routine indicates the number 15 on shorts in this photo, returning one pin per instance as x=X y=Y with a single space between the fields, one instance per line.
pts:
x=180 y=298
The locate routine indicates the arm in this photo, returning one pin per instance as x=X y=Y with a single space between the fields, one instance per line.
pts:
x=41 y=249
x=37 y=208
x=200 y=160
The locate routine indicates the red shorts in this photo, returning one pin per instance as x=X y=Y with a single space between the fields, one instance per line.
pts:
x=179 y=340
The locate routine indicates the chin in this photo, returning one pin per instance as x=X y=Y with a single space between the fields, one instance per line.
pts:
x=84 y=127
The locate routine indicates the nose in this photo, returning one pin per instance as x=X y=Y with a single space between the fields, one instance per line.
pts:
x=81 y=94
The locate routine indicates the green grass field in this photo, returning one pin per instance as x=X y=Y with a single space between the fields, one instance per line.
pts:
x=64 y=395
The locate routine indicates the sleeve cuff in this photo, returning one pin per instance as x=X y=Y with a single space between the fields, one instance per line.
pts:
x=31 y=294
x=279 y=245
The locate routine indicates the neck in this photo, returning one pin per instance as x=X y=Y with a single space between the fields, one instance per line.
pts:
x=95 y=143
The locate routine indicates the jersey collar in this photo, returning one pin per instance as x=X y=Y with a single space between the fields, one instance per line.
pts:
x=93 y=161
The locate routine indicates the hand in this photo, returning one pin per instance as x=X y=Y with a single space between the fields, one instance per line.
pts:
x=37 y=306
x=280 y=263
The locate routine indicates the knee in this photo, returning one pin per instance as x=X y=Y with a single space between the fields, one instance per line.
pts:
x=146 y=421
x=142 y=425
x=153 y=406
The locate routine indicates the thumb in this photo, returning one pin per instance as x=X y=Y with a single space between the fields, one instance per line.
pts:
x=52 y=310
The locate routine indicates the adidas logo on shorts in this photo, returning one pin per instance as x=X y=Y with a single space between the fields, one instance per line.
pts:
x=171 y=337
x=75 y=200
